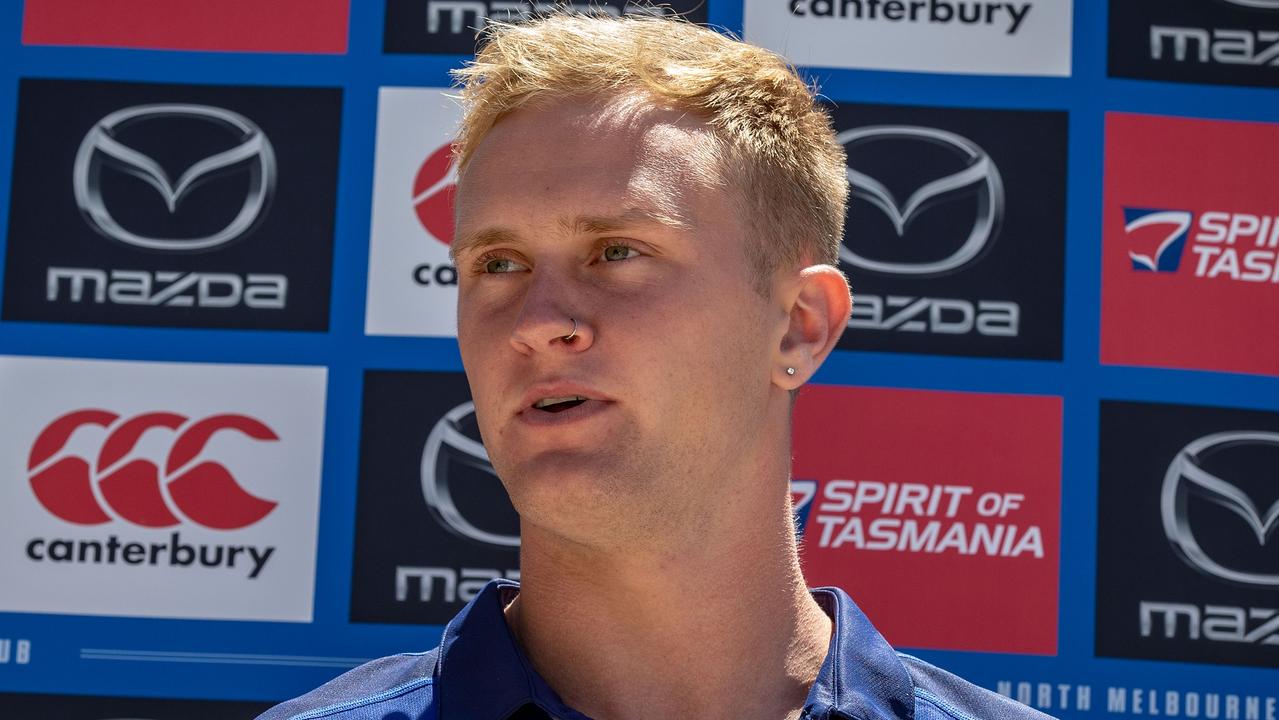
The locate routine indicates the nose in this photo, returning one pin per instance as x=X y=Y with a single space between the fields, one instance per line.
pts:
x=551 y=320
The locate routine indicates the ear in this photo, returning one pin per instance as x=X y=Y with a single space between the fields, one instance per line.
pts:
x=818 y=305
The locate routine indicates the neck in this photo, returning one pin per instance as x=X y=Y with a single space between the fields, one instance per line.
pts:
x=674 y=632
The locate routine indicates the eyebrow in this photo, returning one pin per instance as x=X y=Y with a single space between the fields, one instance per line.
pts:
x=479 y=240
x=580 y=225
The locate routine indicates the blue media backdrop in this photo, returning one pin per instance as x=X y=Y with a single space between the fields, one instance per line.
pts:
x=77 y=652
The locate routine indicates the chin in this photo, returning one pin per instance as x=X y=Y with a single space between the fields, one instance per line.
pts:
x=580 y=496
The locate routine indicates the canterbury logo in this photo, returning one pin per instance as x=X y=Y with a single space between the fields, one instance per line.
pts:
x=82 y=491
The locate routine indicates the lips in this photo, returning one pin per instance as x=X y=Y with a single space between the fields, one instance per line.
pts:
x=560 y=400
x=559 y=404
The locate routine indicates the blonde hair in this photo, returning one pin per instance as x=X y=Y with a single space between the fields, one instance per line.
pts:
x=777 y=143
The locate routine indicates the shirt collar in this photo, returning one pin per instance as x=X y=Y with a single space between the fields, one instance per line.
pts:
x=862 y=678
x=483 y=675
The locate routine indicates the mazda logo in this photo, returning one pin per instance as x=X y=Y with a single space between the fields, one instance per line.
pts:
x=1263 y=4
x=1186 y=477
x=979 y=172
x=447 y=436
x=101 y=146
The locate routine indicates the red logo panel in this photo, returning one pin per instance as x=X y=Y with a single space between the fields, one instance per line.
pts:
x=1190 y=254
x=939 y=512
x=301 y=26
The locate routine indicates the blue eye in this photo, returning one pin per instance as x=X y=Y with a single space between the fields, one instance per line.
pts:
x=619 y=252
x=501 y=265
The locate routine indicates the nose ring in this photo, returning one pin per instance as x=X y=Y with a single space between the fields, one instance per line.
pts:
x=569 y=337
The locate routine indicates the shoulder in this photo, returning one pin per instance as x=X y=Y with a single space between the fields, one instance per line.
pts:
x=940 y=695
x=398 y=683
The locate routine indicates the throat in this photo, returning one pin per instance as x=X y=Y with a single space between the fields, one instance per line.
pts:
x=687 y=652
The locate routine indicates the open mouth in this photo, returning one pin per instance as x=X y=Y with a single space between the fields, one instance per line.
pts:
x=558 y=404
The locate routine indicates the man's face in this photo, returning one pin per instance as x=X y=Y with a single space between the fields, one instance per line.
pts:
x=614 y=214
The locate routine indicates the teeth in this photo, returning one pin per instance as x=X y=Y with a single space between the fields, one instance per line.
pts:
x=556 y=400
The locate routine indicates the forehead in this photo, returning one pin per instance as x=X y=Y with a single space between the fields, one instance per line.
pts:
x=597 y=154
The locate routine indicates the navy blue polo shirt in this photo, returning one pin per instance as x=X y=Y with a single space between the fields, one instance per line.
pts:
x=479 y=673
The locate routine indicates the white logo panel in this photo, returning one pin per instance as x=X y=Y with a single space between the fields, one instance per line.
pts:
x=412 y=281
x=171 y=490
x=1031 y=37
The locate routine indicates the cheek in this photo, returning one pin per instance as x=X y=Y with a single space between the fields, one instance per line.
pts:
x=487 y=392
x=481 y=346
x=711 y=345
x=732 y=347
x=482 y=317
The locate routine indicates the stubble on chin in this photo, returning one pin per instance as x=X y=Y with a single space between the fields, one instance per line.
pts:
x=601 y=499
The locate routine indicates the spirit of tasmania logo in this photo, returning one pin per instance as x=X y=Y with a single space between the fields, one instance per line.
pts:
x=1156 y=250
x=1233 y=246
x=900 y=492
x=1191 y=240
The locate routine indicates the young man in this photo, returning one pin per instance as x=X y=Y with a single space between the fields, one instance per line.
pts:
x=648 y=222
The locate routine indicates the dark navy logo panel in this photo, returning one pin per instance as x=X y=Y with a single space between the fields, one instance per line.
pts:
x=954 y=240
x=450 y=27
x=433 y=522
x=172 y=205
x=22 y=706
x=1187 y=561
x=1228 y=42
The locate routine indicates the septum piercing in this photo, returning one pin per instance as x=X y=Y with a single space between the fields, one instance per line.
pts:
x=571 y=335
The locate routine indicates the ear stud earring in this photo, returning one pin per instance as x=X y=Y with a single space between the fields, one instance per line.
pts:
x=790 y=371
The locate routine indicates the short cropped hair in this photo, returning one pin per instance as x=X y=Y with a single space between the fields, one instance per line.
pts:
x=776 y=141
